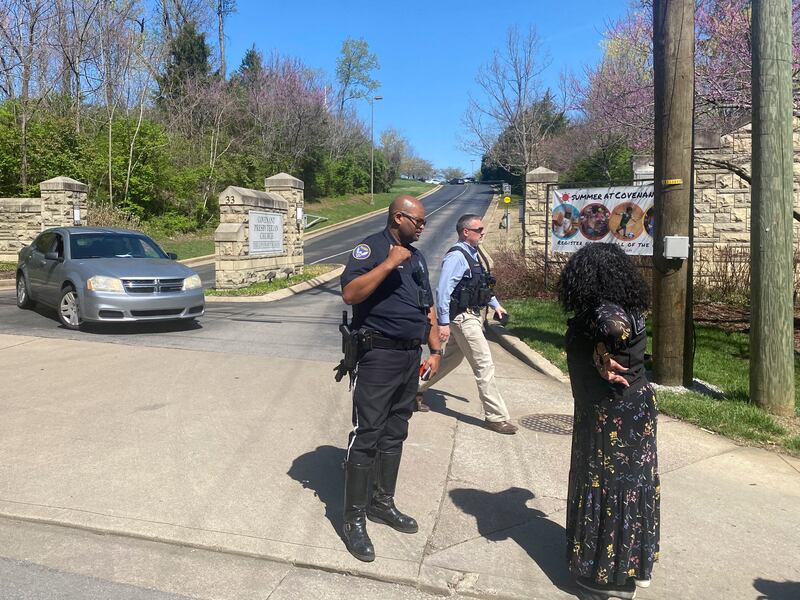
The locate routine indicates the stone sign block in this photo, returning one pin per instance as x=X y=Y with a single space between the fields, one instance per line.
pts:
x=258 y=237
x=265 y=233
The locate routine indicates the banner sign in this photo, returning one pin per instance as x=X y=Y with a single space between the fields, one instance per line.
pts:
x=613 y=215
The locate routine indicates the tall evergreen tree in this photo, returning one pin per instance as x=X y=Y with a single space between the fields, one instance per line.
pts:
x=188 y=59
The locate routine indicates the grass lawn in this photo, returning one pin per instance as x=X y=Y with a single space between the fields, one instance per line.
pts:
x=189 y=245
x=721 y=358
x=7 y=267
x=346 y=207
x=264 y=287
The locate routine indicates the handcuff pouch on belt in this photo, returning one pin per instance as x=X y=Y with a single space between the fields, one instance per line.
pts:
x=474 y=290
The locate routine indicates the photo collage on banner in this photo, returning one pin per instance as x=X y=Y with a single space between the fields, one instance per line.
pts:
x=614 y=215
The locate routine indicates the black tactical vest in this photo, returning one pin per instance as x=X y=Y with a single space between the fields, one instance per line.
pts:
x=475 y=289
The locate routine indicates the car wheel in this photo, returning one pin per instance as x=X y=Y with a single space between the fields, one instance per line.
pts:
x=68 y=310
x=23 y=297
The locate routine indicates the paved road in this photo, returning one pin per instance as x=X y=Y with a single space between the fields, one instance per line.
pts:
x=333 y=247
x=303 y=327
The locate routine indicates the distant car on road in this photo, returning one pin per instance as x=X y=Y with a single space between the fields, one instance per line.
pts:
x=456 y=181
x=104 y=274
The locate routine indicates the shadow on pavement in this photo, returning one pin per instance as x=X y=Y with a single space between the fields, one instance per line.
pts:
x=438 y=403
x=321 y=471
x=777 y=590
x=505 y=515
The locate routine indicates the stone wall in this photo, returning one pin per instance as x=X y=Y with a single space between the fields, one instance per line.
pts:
x=20 y=222
x=22 y=219
x=722 y=206
x=721 y=247
x=236 y=267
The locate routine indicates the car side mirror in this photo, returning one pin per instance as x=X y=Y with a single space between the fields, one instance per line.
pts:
x=172 y=255
x=52 y=256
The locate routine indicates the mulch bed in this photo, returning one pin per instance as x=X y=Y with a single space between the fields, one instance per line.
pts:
x=735 y=318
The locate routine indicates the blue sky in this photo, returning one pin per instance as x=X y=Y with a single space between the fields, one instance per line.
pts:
x=429 y=52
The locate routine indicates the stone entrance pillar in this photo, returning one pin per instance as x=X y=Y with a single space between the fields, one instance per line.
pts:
x=290 y=189
x=63 y=199
x=537 y=220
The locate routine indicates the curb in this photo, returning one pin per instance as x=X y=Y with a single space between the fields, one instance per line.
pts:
x=431 y=579
x=8 y=284
x=525 y=353
x=358 y=219
x=284 y=293
x=196 y=261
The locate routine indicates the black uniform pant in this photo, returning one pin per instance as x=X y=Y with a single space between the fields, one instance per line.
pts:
x=383 y=400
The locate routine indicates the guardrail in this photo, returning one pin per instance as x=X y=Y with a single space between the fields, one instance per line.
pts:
x=309 y=220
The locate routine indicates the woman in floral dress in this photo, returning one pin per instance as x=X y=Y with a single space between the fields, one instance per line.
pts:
x=613 y=497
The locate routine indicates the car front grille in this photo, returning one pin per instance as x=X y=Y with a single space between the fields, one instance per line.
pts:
x=167 y=312
x=152 y=286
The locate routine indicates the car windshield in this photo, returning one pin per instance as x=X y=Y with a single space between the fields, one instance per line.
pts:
x=113 y=245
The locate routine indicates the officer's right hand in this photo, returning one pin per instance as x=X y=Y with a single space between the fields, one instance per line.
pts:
x=444 y=333
x=397 y=255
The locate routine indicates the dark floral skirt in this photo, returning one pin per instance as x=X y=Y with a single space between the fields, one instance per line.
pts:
x=614 y=490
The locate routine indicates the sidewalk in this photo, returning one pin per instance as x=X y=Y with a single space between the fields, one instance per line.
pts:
x=241 y=455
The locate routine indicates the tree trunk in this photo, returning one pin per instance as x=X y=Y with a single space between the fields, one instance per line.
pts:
x=221 y=28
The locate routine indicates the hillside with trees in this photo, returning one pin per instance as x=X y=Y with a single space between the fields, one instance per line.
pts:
x=133 y=98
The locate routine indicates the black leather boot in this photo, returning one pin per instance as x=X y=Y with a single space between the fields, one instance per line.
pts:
x=356 y=494
x=382 y=509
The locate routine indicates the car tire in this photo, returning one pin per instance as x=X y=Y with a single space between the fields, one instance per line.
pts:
x=23 y=295
x=68 y=309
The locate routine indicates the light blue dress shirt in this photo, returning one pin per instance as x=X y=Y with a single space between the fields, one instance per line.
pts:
x=454 y=266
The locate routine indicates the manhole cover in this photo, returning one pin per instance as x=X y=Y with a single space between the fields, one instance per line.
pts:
x=548 y=423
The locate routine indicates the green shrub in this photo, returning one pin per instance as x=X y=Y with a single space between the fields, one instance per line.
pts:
x=170 y=224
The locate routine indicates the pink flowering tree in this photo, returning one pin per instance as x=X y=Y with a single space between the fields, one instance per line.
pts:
x=615 y=97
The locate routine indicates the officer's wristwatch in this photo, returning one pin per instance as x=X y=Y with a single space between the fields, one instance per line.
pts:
x=438 y=351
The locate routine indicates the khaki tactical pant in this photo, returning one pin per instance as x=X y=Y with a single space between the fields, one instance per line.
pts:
x=467 y=340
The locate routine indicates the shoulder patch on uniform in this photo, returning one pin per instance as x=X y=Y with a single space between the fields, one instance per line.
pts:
x=361 y=252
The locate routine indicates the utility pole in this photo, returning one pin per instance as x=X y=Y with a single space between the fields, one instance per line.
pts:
x=372 y=101
x=673 y=53
x=771 y=248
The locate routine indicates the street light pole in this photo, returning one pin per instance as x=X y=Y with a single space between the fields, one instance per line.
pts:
x=372 y=147
x=472 y=162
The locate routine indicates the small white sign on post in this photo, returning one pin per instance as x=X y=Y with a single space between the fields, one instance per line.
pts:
x=265 y=233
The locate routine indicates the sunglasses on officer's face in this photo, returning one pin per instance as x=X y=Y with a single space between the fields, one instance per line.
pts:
x=417 y=221
x=475 y=229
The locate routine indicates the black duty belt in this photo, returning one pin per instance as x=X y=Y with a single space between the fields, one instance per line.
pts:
x=373 y=339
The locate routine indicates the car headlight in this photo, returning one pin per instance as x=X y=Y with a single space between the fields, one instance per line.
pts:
x=192 y=283
x=101 y=283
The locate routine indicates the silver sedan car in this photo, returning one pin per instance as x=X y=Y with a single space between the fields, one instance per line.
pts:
x=103 y=274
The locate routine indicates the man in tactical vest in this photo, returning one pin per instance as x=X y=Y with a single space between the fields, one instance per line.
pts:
x=465 y=289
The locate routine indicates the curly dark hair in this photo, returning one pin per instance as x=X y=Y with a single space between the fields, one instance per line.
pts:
x=602 y=272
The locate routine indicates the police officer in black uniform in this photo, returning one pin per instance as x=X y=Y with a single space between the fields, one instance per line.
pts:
x=386 y=281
